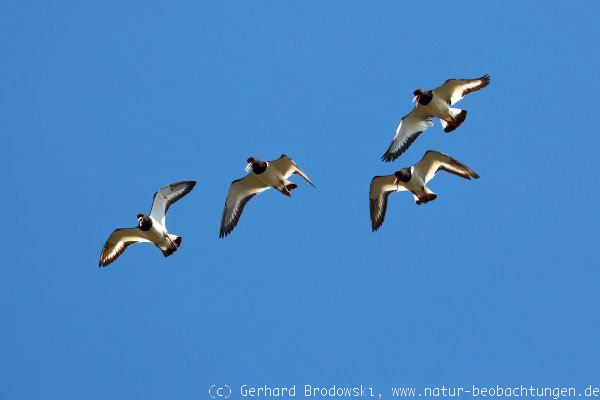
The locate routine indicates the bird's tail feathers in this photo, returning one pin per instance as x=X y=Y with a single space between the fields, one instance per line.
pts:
x=176 y=239
x=172 y=249
x=459 y=117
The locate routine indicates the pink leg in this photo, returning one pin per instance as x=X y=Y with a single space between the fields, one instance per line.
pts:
x=172 y=242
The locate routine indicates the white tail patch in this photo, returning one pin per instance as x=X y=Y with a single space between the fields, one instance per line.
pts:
x=459 y=117
x=174 y=239
x=454 y=112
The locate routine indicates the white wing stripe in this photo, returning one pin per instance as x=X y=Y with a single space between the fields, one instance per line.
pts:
x=409 y=128
x=168 y=195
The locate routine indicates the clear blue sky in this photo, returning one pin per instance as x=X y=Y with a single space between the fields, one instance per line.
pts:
x=496 y=282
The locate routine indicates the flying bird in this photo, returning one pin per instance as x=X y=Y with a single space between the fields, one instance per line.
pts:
x=433 y=103
x=151 y=228
x=415 y=179
x=264 y=175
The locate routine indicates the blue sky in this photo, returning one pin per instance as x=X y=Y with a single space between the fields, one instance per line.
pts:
x=496 y=282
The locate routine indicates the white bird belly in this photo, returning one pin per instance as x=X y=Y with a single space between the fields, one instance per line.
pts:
x=271 y=178
x=415 y=185
x=158 y=234
x=438 y=108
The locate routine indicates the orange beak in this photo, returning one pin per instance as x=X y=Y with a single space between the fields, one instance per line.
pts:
x=248 y=167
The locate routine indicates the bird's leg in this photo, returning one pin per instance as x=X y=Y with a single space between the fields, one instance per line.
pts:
x=425 y=195
x=172 y=242
x=417 y=198
x=285 y=190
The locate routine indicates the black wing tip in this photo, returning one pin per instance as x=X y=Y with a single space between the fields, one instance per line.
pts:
x=485 y=79
x=223 y=229
x=375 y=227
x=389 y=157
x=226 y=231
x=469 y=172
x=376 y=223
x=223 y=233
x=189 y=185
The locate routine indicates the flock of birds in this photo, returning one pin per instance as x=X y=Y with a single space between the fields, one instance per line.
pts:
x=436 y=103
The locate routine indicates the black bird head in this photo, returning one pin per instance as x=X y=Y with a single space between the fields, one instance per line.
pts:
x=258 y=167
x=251 y=162
x=144 y=222
x=422 y=96
x=402 y=176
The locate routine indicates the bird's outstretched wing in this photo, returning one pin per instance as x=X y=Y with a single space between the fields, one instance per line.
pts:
x=165 y=197
x=453 y=90
x=118 y=242
x=287 y=167
x=240 y=193
x=410 y=127
x=381 y=187
x=434 y=161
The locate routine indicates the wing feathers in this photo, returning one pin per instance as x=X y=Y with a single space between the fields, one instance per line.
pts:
x=303 y=175
x=378 y=208
x=453 y=90
x=230 y=218
x=410 y=127
x=459 y=169
x=434 y=161
x=240 y=193
x=381 y=187
x=476 y=84
x=168 y=195
x=118 y=242
x=286 y=166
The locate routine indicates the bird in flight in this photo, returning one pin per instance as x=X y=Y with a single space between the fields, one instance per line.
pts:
x=415 y=179
x=264 y=175
x=151 y=228
x=433 y=103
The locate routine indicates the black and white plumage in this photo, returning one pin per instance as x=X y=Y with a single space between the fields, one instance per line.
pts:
x=264 y=175
x=151 y=228
x=433 y=103
x=414 y=179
